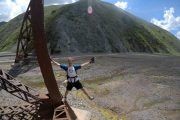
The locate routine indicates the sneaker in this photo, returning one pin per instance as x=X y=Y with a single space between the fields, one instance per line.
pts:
x=91 y=98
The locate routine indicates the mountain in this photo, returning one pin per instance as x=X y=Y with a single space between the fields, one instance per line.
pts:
x=2 y=23
x=69 y=29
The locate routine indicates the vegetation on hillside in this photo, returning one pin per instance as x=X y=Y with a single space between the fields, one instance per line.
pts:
x=70 y=29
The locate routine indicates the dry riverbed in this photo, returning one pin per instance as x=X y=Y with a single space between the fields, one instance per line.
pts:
x=125 y=86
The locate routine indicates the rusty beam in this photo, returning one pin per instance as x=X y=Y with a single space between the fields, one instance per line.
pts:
x=40 y=45
x=42 y=51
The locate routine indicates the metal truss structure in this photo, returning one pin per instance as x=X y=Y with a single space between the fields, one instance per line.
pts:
x=25 y=39
x=51 y=106
x=16 y=88
x=25 y=112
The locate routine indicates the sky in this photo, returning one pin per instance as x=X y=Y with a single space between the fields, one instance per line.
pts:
x=163 y=13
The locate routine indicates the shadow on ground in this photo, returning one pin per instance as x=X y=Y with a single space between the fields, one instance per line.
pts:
x=20 y=68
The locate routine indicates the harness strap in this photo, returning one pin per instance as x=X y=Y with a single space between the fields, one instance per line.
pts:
x=72 y=79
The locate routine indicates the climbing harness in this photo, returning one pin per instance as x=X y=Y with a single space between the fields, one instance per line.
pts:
x=72 y=75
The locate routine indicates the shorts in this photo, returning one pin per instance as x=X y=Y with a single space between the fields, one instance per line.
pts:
x=76 y=84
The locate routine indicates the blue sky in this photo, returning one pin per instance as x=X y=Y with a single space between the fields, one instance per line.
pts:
x=147 y=9
x=163 y=13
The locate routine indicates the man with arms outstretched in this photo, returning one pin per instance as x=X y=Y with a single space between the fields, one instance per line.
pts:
x=72 y=78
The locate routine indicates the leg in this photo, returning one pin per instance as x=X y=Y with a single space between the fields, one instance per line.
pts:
x=68 y=88
x=78 y=86
x=65 y=95
x=84 y=91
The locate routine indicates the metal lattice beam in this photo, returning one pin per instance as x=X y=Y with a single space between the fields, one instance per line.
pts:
x=64 y=112
x=60 y=112
x=21 y=112
x=16 y=88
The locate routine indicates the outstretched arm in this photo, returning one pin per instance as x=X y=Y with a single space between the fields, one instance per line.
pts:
x=89 y=62
x=53 y=61
x=84 y=64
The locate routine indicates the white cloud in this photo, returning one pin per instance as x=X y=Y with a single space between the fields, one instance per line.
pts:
x=11 y=8
x=178 y=35
x=59 y=2
x=170 y=22
x=121 y=4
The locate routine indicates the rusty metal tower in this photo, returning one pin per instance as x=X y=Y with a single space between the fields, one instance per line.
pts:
x=25 y=38
x=50 y=106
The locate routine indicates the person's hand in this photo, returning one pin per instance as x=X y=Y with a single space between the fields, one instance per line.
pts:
x=92 y=60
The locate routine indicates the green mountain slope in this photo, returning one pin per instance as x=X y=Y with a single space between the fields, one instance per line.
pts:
x=71 y=30
x=9 y=31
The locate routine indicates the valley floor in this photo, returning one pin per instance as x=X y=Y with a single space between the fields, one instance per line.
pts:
x=125 y=86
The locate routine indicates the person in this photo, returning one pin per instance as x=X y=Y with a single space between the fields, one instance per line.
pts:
x=72 y=78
